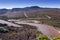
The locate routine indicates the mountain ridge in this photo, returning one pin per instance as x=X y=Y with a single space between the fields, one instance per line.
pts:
x=32 y=11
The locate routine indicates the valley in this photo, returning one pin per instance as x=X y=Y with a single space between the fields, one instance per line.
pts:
x=28 y=23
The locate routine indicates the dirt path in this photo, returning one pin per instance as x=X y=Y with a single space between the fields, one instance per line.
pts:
x=9 y=23
x=47 y=30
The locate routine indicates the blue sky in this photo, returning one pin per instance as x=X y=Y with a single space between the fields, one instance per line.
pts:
x=26 y=3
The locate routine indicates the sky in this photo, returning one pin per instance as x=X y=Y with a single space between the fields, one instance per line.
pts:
x=27 y=3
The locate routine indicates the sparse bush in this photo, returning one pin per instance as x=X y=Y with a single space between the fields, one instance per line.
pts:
x=41 y=37
x=24 y=33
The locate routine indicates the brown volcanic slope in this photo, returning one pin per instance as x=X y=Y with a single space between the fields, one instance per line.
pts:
x=33 y=11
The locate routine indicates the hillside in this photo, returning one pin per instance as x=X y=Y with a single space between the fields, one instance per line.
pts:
x=33 y=11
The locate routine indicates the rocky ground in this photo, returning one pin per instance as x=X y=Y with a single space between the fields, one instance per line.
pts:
x=23 y=33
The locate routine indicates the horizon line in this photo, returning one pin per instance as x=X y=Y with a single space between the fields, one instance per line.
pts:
x=31 y=6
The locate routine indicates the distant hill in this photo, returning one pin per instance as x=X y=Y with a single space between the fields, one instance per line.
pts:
x=2 y=11
x=33 y=11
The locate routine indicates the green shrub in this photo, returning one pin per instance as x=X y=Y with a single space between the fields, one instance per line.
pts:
x=55 y=38
x=41 y=37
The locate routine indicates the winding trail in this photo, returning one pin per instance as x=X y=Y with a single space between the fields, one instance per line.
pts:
x=47 y=30
x=9 y=23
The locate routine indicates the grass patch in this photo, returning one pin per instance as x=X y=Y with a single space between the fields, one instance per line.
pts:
x=53 y=22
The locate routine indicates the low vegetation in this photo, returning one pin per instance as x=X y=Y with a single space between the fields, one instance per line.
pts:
x=29 y=32
x=23 y=33
x=41 y=37
x=53 y=21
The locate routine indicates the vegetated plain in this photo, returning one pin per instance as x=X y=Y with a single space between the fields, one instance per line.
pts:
x=54 y=21
x=49 y=16
x=26 y=32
